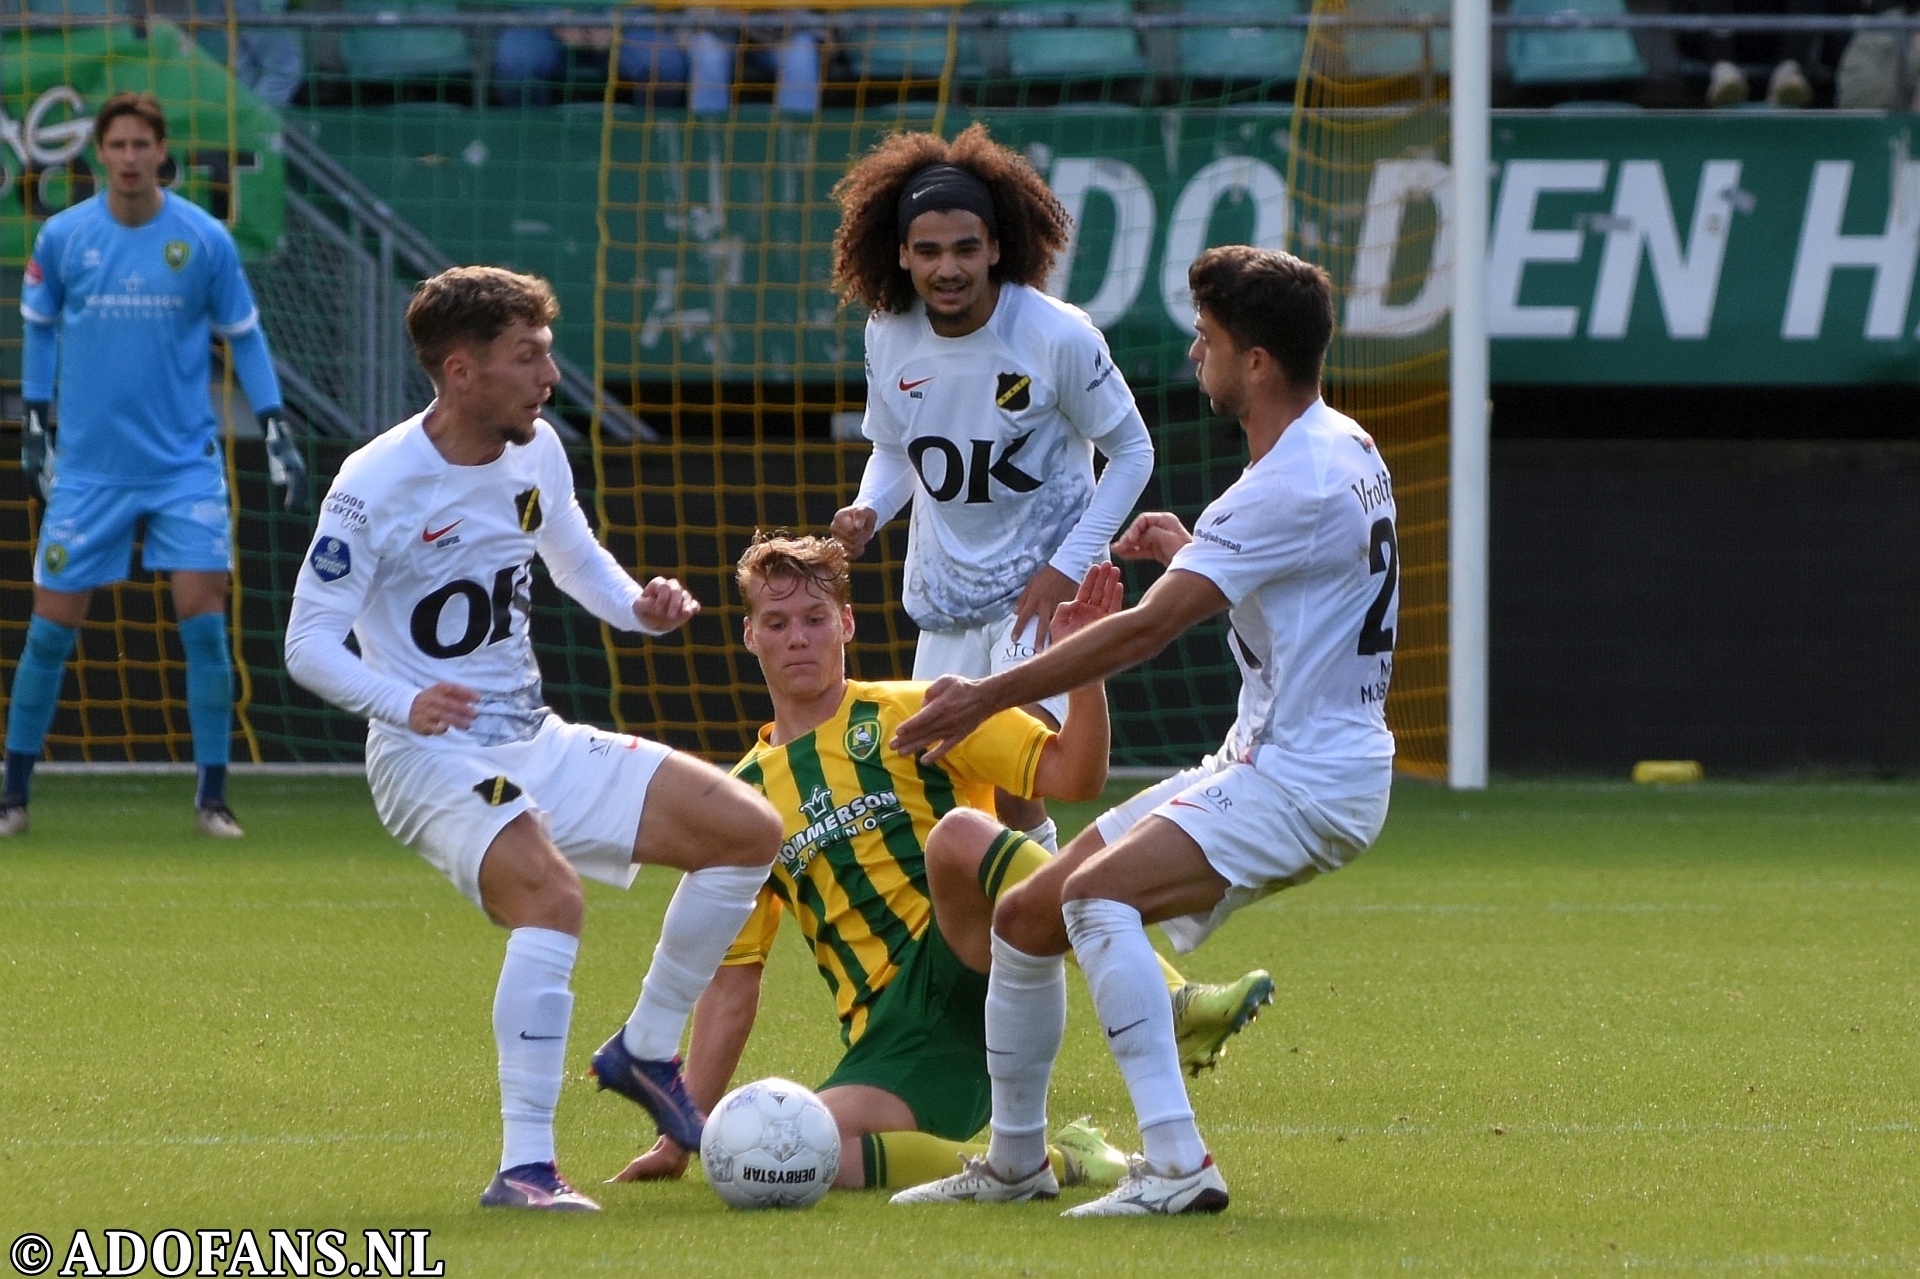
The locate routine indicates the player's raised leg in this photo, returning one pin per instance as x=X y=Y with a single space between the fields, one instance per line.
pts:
x=724 y=835
x=530 y=889
x=35 y=696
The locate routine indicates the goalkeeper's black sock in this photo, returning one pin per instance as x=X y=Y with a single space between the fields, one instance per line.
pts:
x=213 y=786
x=19 y=777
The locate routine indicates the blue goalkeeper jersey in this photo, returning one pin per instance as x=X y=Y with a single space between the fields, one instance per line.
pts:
x=136 y=308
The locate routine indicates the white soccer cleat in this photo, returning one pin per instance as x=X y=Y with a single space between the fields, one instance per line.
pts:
x=217 y=820
x=13 y=819
x=977 y=1182
x=1146 y=1193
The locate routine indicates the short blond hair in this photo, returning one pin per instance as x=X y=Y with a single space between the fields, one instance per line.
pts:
x=471 y=306
x=820 y=561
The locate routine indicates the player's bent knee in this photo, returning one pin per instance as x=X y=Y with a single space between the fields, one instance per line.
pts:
x=526 y=883
x=958 y=840
x=755 y=837
x=1027 y=917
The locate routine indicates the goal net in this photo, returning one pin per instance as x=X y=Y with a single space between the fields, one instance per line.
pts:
x=671 y=171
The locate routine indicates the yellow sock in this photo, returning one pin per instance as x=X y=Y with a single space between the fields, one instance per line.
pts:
x=896 y=1160
x=1011 y=857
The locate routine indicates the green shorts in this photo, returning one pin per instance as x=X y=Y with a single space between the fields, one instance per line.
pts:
x=926 y=1041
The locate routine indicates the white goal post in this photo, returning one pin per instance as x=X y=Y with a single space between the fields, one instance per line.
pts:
x=1471 y=90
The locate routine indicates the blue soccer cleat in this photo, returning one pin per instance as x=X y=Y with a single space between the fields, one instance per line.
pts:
x=657 y=1087
x=534 y=1186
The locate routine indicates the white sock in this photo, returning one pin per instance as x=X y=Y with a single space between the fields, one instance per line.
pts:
x=1026 y=1020
x=1047 y=835
x=707 y=912
x=531 y=1011
x=1130 y=997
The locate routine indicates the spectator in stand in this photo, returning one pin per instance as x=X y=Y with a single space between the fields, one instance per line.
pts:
x=1794 y=55
x=673 y=68
x=529 y=61
x=1877 y=69
x=271 y=61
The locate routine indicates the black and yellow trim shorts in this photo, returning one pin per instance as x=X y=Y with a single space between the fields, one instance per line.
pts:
x=926 y=1041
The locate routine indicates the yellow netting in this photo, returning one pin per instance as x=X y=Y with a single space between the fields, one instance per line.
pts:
x=129 y=671
x=1367 y=167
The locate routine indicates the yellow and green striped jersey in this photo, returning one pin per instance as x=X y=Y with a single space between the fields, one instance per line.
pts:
x=852 y=865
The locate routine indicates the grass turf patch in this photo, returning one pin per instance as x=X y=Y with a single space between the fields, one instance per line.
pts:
x=1547 y=1028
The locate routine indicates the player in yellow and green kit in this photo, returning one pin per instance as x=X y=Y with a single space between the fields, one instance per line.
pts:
x=892 y=868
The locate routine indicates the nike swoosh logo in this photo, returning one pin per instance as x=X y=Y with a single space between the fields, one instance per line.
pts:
x=908 y=386
x=431 y=536
x=1115 y=1034
x=525 y=1035
x=1187 y=803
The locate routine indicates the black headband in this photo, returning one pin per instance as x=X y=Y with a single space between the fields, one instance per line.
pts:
x=941 y=188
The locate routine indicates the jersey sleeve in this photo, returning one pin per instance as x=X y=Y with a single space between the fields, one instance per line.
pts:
x=581 y=567
x=233 y=312
x=328 y=598
x=879 y=424
x=755 y=941
x=1092 y=394
x=42 y=291
x=1004 y=751
x=1251 y=534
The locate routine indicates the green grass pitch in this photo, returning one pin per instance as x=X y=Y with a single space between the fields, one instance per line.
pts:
x=1547 y=1029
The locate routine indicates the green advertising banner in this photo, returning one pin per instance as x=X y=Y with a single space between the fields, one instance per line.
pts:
x=224 y=142
x=1624 y=248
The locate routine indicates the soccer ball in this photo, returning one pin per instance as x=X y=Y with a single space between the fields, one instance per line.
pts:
x=770 y=1144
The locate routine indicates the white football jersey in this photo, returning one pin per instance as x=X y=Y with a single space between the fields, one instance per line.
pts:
x=1304 y=546
x=998 y=424
x=434 y=565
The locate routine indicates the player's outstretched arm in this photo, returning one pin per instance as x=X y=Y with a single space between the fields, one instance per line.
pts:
x=1074 y=764
x=722 y=1022
x=1156 y=536
x=664 y=605
x=885 y=486
x=954 y=707
x=853 y=527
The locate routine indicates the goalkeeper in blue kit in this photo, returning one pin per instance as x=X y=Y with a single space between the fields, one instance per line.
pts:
x=122 y=297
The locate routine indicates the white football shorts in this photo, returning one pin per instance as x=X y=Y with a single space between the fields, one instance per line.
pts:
x=1260 y=834
x=980 y=651
x=586 y=787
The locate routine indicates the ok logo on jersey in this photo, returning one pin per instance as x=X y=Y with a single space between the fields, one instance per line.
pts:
x=971 y=474
x=489 y=612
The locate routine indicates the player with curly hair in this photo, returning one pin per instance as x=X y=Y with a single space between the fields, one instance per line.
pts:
x=986 y=399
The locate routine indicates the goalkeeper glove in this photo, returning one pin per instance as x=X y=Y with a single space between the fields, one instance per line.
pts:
x=286 y=466
x=36 y=446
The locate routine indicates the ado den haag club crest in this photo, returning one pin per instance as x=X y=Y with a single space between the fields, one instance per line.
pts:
x=863 y=739
x=176 y=253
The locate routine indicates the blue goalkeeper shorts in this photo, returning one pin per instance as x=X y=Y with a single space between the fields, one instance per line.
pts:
x=86 y=536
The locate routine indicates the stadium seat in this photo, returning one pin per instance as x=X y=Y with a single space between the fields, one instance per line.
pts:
x=1383 y=52
x=74 y=8
x=404 y=53
x=1572 y=57
x=1242 y=53
x=1068 y=53
x=906 y=44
